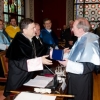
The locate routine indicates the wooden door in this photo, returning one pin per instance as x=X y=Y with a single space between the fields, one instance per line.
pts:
x=53 y=9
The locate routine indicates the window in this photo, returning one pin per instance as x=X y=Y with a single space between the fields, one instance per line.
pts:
x=89 y=9
x=14 y=8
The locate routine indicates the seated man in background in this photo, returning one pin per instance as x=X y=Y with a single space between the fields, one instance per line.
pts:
x=41 y=49
x=22 y=57
x=97 y=30
x=12 y=29
x=69 y=36
x=47 y=35
x=4 y=38
x=4 y=42
x=63 y=32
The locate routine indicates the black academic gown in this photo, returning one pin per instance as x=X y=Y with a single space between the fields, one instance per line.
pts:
x=81 y=85
x=18 y=52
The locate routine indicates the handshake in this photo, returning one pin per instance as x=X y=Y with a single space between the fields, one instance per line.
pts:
x=56 y=54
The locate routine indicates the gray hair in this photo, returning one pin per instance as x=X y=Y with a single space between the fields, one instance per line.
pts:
x=71 y=21
x=83 y=23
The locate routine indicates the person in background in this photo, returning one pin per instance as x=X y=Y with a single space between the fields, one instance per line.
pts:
x=4 y=43
x=91 y=28
x=63 y=32
x=4 y=38
x=41 y=49
x=22 y=57
x=48 y=36
x=12 y=29
x=81 y=61
x=97 y=30
x=69 y=36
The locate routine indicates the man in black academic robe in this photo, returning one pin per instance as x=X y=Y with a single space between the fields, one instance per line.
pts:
x=20 y=52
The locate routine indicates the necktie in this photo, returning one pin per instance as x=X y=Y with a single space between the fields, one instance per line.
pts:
x=39 y=40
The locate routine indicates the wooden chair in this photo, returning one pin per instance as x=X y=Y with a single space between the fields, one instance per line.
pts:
x=4 y=63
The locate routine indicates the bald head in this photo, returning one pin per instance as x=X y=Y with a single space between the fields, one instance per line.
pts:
x=71 y=24
x=37 y=26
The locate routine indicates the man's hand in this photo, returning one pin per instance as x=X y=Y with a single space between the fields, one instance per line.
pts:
x=64 y=63
x=46 y=61
x=66 y=50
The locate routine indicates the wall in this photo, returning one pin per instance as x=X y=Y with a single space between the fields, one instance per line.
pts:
x=59 y=11
x=53 y=9
x=29 y=9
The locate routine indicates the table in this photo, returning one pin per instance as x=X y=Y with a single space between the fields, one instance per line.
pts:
x=27 y=88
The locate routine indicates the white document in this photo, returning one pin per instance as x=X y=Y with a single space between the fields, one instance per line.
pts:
x=39 y=81
x=33 y=96
x=63 y=86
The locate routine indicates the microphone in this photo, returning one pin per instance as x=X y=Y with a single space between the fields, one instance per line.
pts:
x=50 y=70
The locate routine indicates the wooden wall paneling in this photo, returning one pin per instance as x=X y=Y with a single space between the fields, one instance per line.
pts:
x=53 y=9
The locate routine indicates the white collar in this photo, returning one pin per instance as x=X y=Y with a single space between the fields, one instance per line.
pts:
x=49 y=30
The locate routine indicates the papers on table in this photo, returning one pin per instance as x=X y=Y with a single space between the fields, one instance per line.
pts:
x=39 y=81
x=33 y=96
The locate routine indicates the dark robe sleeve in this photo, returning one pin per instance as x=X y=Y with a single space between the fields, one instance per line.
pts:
x=88 y=67
x=21 y=64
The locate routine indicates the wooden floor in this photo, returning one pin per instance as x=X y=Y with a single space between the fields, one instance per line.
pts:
x=96 y=88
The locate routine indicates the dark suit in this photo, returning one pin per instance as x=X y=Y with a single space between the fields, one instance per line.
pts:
x=68 y=36
x=62 y=34
x=41 y=49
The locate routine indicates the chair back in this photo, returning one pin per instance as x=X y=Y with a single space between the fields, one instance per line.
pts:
x=4 y=62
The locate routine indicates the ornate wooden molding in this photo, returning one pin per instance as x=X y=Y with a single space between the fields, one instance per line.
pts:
x=31 y=5
x=69 y=10
x=1 y=8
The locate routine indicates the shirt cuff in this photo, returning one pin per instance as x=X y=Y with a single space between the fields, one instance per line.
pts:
x=74 y=67
x=34 y=64
x=65 y=55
